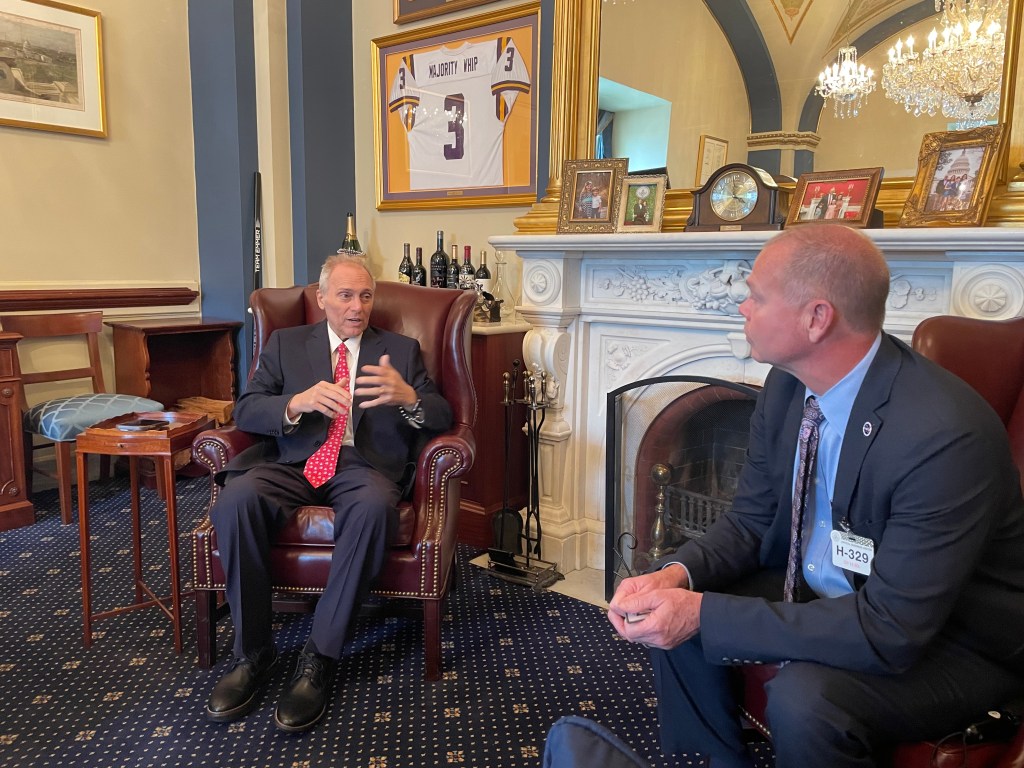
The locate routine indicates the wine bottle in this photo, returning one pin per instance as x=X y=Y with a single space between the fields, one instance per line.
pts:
x=452 y=280
x=439 y=264
x=419 y=274
x=483 y=274
x=405 y=268
x=351 y=241
x=466 y=272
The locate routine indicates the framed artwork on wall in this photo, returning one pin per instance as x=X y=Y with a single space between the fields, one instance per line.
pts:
x=642 y=203
x=712 y=154
x=835 y=197
x=51 y=67
x=955 y=174
x=591 y=190
x=413 y=10
x=456 y=112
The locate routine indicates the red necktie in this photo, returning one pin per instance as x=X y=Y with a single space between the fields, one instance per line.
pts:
x=321 y=466
x=808 y=447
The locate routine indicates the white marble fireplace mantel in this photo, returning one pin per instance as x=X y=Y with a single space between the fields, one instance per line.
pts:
x=607 y=310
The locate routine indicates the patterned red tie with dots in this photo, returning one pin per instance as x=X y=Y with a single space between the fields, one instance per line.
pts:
x=321 y=466
x=808 y=445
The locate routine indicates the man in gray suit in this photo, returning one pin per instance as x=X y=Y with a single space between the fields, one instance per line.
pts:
x=910 y=607
x=346 y=409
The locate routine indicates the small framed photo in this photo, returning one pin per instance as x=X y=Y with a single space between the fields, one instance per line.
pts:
x=51 y=67
x=835 y=197
x=591 y=190
x=955 y=174
x=712 y=154
x=641 y=203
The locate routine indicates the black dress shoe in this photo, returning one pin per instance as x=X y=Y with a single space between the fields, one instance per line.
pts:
x=235 y=694
x=305 y=701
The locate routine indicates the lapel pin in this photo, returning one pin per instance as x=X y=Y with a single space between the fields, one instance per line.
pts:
x=866 y=429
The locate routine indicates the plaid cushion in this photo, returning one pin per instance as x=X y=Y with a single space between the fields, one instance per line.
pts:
x=64 y=418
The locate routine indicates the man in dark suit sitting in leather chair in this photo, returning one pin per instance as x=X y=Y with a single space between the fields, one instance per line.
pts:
x=890 y=585
x=346 y=410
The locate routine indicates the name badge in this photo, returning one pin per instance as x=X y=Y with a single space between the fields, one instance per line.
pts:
x=852 y=552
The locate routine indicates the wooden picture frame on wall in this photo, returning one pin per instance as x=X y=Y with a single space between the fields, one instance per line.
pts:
x=414 y=10
x=956 y=171
x=51 y=67
x=426 y=84
x=835 y=197
x=712 y=154
x=591 y=190
x=641 y=203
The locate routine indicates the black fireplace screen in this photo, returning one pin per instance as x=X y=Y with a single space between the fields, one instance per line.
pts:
x=675 y=446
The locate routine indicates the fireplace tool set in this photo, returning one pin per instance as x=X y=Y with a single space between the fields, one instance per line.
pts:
x=516 y=554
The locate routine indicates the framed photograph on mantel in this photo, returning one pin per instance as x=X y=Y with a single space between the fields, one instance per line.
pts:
x=642 y=203
x=591 y=190
x=51 y=67
x=955 y=174
x=428 y=83
x=413 y=10
x=835 y=197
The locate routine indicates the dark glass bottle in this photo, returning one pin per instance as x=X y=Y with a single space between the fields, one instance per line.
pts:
x=466 y=272
x=439 y=264
x=405 y=268
x=483 y=274
x=419 y=274
x=351 y=241
x=452 y=280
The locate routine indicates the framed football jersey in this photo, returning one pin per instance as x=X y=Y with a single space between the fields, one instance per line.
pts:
x=456 y=111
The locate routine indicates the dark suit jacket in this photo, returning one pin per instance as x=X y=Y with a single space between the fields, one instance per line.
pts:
x=931 y=482
x=295 y=359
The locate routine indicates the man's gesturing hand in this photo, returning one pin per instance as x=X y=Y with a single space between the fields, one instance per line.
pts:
x=326 y=397
x=384 y=384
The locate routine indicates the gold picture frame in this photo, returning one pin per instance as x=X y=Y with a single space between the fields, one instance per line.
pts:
x=642 y=203
x=426 y=81
x=712 y=154
x=835 y=197
x=591 y=190
x=956 y=171
x=51 y=67
x=414 y=10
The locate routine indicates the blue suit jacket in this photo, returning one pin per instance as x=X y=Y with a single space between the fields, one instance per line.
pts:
x=931 y=482
x=295 y=359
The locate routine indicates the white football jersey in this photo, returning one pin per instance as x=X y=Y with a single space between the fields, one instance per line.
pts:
x=453 y=104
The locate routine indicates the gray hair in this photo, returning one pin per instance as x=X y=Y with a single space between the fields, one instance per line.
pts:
x=840 y=265
x=343 y=256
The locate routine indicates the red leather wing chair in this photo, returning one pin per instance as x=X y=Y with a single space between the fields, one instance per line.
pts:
x=419 y=565
x=988 y=355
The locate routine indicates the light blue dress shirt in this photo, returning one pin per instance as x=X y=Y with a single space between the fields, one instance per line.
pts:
x=821 y=575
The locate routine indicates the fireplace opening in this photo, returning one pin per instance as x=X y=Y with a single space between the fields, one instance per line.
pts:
x=675 y=447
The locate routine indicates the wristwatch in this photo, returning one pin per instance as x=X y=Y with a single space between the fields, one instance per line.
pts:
x=415 y=414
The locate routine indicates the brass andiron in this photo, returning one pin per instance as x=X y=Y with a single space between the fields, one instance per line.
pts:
x=661 y=475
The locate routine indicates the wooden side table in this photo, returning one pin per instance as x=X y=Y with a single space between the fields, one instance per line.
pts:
x=494 y=347
x=160 y=445
x=15 y=508
x=167 y=360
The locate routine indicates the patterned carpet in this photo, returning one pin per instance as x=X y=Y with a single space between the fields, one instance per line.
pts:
x=515 y=660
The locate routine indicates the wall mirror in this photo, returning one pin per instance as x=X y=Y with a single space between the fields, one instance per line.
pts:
x=745 y=69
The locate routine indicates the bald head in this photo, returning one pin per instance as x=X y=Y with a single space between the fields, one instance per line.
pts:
x=837 y=264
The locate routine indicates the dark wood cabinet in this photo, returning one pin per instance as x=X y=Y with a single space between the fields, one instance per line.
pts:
x=167 y=360
x=15 y=508
x=493 y=349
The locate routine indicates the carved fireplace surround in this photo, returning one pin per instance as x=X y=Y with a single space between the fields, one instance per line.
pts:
x=610 y=309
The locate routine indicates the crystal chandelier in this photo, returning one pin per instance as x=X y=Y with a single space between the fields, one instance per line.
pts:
x=961 y=73
x=846 y=83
